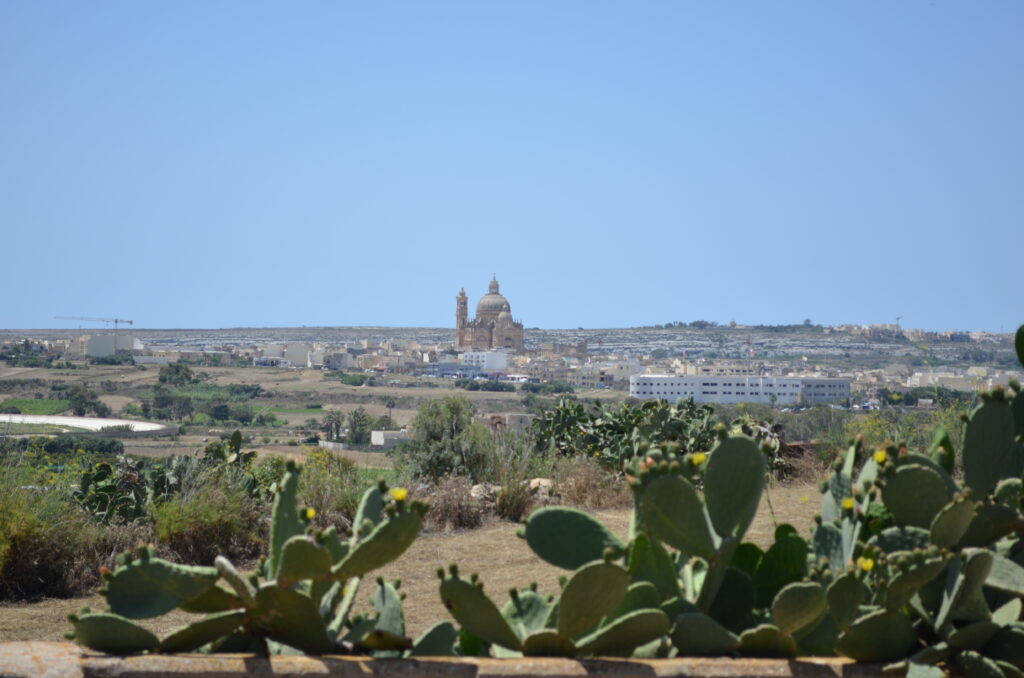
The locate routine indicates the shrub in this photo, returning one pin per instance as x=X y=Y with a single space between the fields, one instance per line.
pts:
x=330 y=485
x=49 y=548
x=445 y=440
x=511 y=465
x=210 y=522
x=453 y=507
x=583 y=482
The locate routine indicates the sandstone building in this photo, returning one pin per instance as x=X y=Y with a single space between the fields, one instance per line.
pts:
x=493 y=326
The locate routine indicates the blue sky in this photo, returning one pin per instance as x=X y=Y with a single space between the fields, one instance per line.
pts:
x=219 y=164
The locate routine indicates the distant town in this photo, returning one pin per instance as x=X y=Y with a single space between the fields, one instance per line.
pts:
x=845 y=365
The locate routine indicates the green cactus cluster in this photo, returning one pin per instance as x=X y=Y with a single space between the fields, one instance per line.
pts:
x=916 y=560
x=906 y=564
x=940 y=561
x=300 y=599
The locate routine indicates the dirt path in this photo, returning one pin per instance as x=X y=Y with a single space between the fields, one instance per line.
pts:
x=494 y=551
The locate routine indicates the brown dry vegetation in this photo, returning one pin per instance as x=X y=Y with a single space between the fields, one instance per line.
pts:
x=493 y=550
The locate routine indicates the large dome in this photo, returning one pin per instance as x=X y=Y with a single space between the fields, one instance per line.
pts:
x=492 y=303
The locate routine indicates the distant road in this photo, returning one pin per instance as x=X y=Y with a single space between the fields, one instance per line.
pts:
x=88 y=423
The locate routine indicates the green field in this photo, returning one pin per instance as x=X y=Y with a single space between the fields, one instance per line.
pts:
x=37 y=406
x=311 y=411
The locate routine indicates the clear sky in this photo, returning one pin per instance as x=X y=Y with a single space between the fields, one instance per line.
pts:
x=219 y=164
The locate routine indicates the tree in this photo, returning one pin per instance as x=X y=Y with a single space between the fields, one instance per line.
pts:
x=83 y=401
x=359 y=423
x=176 y=374
x=332 y=424
x=182 y=407
x=218 y=410
x=445 y=440
x=390 y=402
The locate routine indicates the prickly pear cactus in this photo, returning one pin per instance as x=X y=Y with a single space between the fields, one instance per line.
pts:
x=597 y=612
x=301 y=598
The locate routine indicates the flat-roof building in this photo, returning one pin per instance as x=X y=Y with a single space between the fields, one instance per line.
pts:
x=737 y=389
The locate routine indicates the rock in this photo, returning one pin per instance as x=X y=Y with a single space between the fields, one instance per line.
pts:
x=541 y=488
x=485 y=492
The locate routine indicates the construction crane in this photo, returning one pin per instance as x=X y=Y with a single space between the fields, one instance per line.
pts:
x=115 y=321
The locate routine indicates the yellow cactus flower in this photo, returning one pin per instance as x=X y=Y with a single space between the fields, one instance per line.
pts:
x=804 y=499
x=880 y=457
x=865 y=564
x=399 y=493
x=848 y=503
x=699 y=458
x=308 y=514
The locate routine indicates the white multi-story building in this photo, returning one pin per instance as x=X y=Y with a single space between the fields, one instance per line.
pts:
x=736 y=389
x=486 y=361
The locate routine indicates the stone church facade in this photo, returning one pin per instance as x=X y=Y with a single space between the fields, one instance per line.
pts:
x=493 y=326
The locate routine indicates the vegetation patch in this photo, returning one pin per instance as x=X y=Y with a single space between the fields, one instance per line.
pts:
x=34 y=406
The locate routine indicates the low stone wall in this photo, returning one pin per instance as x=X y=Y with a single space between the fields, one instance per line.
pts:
x=65 y=660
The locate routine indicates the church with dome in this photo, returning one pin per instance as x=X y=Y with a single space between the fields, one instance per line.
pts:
x=493 y=326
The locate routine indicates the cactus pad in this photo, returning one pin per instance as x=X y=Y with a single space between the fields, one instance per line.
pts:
x=992 y=522
x=964 y=579
x=213 y=599
x=291 y=618
x=389 y=609
x=592 y=592
x=675 y=514
x=284 y=522
x=1006 y=576
x=548 y=643
x=915 y=494
x=733 y=483
x=798 y=606
x=385 y=543
x=150 y=587
x=951 y=523
x=641 y=595
x=302 y=558
x=113 y=634
x=698 y=635
x=912 y=458
x=783 y=563
x=191 y=637
x=975 y=665
x=766 y=640
x=625 y=634
x=827 y=541
x=1009 y=492
x=476 y=613
x=906 y=583
x=437 y=641
x=973 y=636
x=894 y=539
x=1007 y=645
x=879 y=636
x=568 y=538
x=735 y=599
x=845 y=596
x=990 y=451
x=649 y=562
x=526 y=613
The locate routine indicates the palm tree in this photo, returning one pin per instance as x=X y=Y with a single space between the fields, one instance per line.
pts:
x=332 y=424
x=390 y=402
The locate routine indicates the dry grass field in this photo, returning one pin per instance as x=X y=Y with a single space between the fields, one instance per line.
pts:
x=502 y=559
